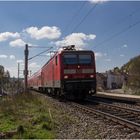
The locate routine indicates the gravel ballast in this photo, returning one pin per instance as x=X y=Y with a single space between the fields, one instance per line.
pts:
x=70 y=123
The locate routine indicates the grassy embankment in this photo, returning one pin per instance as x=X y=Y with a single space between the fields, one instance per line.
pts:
x=25 y=116
x=132 y=68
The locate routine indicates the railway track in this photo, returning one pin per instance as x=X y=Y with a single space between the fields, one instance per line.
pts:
x=127 y=117
x=134 y=104
x=108 y=105
x=121 y=115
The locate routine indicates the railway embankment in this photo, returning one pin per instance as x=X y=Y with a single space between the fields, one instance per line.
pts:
x=39 y=116
x=72 y=123
x=25 y=116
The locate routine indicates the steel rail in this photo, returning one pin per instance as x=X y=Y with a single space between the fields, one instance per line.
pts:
x=124 y=122
x=115 y=106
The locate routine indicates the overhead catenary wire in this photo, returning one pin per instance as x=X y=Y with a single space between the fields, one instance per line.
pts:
x=84 y=18
x=93 y=8
x=75 y=16
x=40 y=53
x=119 y=33
x=38 y=47
x=122 y=20
x=116 y=34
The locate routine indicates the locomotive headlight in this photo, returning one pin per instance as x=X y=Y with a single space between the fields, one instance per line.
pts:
x=91 y=76
x=66 y=77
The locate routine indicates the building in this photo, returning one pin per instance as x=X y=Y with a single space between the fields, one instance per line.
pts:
x=114 y=80
x=101 y=81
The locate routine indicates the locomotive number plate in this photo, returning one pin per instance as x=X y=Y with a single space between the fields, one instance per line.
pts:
x=78 y=71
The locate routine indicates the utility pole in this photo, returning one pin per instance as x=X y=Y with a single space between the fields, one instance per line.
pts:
x=26 y=53
x=18 y=75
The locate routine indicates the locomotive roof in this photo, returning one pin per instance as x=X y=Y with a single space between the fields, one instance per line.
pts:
x=76 y=51
x=67 y=51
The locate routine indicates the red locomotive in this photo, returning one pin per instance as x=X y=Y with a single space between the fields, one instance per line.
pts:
x=71 y=73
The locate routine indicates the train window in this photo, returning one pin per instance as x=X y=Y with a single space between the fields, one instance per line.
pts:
x=56 y=60
x=70 y=59
x=84 y=59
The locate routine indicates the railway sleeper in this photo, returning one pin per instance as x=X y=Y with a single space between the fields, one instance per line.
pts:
x=123 y=115
x=132 y=119
x=124 y=122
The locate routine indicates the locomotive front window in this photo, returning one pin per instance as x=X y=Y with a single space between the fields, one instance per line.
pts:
x=84 y=59
x=70 y=59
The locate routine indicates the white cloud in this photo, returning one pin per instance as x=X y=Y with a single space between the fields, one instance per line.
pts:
x=77 y=39
x=122 y=55
x=50 y=54
x=17 y=43
x=98 y=1
x=20 y=61
x=98 y=55
x=124 y=46
x=6 y=35
x=3 y=56
x=44 y=32
x=34 y=65
x=12 y=57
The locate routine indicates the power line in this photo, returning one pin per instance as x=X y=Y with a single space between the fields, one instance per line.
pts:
x=40 y=53
x=75 y=15
x=93 y=8
x=123 y=19
x=37 y=47
x=118 y=33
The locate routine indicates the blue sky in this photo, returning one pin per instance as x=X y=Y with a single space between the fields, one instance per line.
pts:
x=57 y=23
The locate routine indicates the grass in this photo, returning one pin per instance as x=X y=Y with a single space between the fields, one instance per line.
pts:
x=132 y=90
x=25 y=116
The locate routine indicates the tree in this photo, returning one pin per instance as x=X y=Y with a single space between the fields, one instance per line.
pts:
x=116 y=70
x=4 y=78
x=1 y=74
x=132 y=69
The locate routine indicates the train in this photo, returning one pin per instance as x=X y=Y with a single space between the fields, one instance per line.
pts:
x=69 y=73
